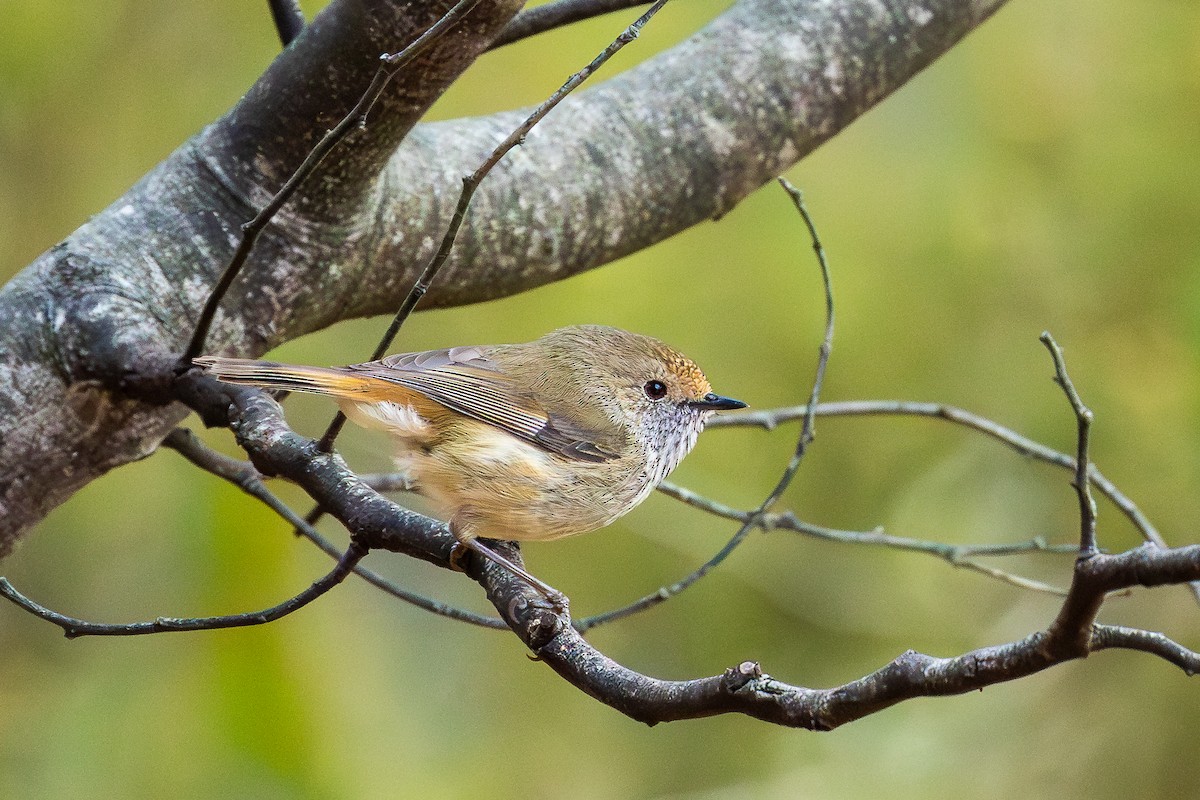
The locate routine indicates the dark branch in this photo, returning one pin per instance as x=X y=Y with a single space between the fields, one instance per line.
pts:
x=275 y=450
x=288 y=18
x=389 y=66
x=533 y=21
x=73 y=627
x=746 y=689
x=1106 y=636
x=243 y=475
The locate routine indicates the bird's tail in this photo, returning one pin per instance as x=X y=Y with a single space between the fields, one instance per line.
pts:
x=291 y=377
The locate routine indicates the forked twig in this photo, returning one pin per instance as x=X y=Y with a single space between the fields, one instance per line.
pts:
x=1083 y=418
x=769 y=419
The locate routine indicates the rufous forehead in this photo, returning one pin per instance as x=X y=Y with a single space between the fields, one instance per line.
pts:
x=691 y=379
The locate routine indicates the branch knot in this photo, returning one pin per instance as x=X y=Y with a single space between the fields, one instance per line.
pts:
x=736 y=678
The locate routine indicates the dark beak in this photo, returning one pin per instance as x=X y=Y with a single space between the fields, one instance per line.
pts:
x=714 y=402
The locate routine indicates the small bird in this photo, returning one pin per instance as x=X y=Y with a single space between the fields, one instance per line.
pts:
x=534 y=441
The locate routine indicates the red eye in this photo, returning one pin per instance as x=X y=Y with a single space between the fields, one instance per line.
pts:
x=655 y=390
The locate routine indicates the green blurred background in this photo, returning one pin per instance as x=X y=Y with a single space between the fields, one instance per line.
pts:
x=1041 y=176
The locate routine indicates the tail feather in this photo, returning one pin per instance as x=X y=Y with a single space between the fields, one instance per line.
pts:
x=291 y=377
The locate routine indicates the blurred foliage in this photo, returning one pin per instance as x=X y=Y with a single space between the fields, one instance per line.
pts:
x=1041 y=176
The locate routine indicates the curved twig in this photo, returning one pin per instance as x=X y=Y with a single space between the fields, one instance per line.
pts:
x=73 y=627
x=789 y=472
x=1106 y=636
x=243 y=475
x=1083 y=418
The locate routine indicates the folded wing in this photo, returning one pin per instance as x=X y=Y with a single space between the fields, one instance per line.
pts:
x=465 y=380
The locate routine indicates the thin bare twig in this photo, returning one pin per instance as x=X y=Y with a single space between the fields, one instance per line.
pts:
x=288 y=18
x=769 y=419
x=955 y=555
x=243 y=475
x=806 y=436
x=389 y=66
x=533 y=21
x=470 y=184
x=1083 y=417
x=1073 y=627
x=73 y=627
x=1106 y=636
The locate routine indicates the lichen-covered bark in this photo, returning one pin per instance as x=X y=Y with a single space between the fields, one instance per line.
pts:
x=678 y=140
x=99 y=319
x=104 y=313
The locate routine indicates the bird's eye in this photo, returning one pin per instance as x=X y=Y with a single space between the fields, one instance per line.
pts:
x=655 y=390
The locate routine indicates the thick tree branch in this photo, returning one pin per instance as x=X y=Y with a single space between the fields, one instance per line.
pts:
x=683 y=137
x=705 y=123
x=390 y=64
x=745 y=689
x=98 y=316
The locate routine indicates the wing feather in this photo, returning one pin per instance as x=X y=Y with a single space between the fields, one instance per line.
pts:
x=465 y=380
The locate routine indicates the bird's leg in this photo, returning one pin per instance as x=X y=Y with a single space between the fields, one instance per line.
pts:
x=557 y=600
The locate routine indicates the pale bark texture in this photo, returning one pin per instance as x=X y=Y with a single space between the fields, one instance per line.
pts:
x=94 y=326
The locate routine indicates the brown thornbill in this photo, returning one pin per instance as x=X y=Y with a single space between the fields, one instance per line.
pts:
x=531 y=441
